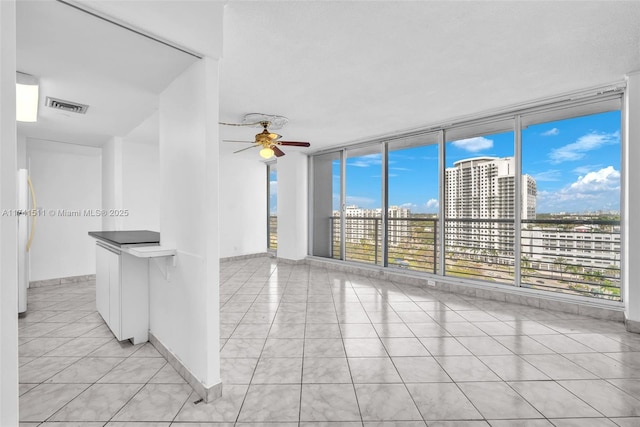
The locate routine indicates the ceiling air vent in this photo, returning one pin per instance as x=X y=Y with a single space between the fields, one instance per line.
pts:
x=61 y=104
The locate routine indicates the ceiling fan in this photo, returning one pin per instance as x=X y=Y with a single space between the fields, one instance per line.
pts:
x=270 y=142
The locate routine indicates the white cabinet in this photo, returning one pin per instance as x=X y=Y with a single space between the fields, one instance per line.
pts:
x=122 y=292
x=103 y=259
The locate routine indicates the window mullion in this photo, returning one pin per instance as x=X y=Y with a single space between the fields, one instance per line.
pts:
x=518 y=201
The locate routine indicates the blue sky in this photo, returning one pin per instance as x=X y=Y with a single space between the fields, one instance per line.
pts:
x=576 y=164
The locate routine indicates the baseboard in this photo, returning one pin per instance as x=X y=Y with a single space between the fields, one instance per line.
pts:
x=62 y=280
x=207 y=394
x=247 y=256
x=292 y=261
x=632 y=325
x=510 y=294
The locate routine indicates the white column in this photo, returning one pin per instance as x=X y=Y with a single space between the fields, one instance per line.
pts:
x=184 y=299
x=292 y=206
x=631 y=204
x=8 y=223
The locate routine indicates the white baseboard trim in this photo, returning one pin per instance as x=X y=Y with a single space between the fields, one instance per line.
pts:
x=207 y=394
x=62 y=280
x=632 y=325
x=247 y=256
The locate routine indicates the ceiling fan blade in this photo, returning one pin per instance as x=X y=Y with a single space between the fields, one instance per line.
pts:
x=253 y=146
x=294 y=143
x=235 y=140
x=278 y=152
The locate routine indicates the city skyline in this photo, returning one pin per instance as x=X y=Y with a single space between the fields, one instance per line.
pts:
x=575 y=162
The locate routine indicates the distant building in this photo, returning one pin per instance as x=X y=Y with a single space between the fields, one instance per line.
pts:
x=483 y=188
x=365 y=224
x=479 y=211
x=583 y=245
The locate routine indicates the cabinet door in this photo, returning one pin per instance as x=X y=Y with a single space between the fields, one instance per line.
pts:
x=102 y=282
x=115 y=303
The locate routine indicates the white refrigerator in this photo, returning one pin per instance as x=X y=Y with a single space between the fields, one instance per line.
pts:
x=26 y=228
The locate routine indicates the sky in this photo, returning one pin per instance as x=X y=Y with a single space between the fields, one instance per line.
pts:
x=575 y=162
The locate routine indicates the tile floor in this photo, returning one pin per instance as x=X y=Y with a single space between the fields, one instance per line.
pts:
x=307 y=346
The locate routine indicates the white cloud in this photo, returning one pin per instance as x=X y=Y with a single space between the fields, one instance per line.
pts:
x=547 y=176
x=585 y=169
x=607 y=179
x=432 y=204
x=551 y=132
x=577 y=150
x=273 y=187
x=411 y=206
x=360 y=164
x=596 y=190
x=366 y=161
x=473 y=145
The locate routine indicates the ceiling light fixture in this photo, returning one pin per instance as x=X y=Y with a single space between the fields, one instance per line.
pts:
x=26 y=98
x=266 y=153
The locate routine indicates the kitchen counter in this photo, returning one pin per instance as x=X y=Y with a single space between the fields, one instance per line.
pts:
x=122 y=280
x=128 y=237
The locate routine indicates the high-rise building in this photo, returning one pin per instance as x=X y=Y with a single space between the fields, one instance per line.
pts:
x=479 y=208
x=366 y=224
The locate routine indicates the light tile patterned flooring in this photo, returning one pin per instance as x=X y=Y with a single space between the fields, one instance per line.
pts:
x=307 y=346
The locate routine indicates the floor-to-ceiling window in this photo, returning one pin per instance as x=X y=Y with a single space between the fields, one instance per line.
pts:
x=528 y=198
x=326 y=206
x=413 y=193
x=571 y=239
x=363 y=205
x=479 y=200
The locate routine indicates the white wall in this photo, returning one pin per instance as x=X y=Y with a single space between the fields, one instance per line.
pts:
x=184 y=300
x=141 y=177
x=112 y=183
x=631 y=200
x=66 y=177
x=243 y=206
x=9 y=223
x=22 y=151
x=131 y=179
x=292 y=206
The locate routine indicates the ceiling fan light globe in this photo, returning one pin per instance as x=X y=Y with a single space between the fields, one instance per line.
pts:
x=266 y=153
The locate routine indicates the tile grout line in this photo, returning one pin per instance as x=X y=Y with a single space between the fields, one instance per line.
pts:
x=353 y=385
x=261 y=351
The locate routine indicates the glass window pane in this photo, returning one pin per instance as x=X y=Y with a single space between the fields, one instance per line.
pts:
x=273 y=206
x=479 y=206
x=326 y=204
x=571 y=243
x=363 y=233
x=413 y=204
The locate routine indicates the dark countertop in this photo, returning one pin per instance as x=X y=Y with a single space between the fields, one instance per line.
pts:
x=128 y=237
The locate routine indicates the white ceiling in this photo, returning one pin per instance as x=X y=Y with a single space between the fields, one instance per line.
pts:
x=81 y=58
x=340 y=71
x=348 y=71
